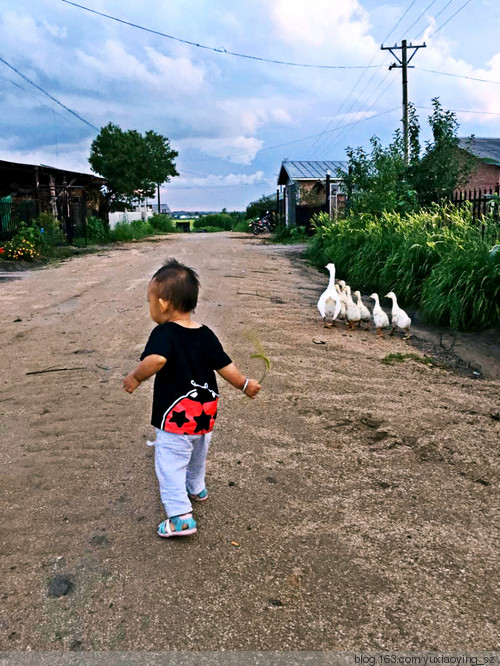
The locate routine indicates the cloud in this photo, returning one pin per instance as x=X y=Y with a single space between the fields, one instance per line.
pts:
x=213 y=181
x=238 y=149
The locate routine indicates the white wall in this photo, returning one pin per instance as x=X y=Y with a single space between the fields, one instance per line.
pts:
x=114 y=218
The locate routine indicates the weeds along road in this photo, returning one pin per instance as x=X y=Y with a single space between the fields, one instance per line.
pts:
x=363 y=497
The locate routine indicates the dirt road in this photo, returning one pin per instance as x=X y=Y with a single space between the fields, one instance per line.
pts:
x=363 y=497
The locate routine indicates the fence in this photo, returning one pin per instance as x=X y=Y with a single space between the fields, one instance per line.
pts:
x=484 y=202
x=71 y=212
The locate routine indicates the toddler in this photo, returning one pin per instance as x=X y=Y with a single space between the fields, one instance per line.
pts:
x=183 y=355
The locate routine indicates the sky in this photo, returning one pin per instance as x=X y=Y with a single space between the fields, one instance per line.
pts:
x=233 y=120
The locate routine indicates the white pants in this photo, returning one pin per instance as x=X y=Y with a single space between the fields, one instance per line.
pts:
x=180 y=468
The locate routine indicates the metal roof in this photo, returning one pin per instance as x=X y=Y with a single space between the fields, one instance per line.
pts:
x=307 y=170
x=487 y=150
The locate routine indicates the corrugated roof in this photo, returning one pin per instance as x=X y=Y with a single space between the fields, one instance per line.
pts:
x=487 y=150
x=304 y=170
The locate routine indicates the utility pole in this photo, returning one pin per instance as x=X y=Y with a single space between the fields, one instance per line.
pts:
x=159 y=206
x=403 y=65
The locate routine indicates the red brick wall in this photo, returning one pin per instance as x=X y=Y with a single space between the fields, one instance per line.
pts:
x=484 y=177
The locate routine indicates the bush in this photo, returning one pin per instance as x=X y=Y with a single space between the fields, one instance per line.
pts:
x=434 y=260
x=242 y=225
x=125 y=231
x=162 y=222
x=210 y=229
x=97 y=230
x=20 y=249
x=223 y=221
x=51 y=231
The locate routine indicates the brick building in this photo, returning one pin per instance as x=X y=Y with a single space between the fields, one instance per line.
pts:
x=487 y=174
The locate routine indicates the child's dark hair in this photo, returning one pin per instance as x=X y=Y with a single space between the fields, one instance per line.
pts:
x=178 y=284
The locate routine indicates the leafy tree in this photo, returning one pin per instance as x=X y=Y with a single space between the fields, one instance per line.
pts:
x=132 y=164
x=260 y=207
x=380 y=180
x=443 y=166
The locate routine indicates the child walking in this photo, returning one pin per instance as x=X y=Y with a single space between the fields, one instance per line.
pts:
x=183 y=355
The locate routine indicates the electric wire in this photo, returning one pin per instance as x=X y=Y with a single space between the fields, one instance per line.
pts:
x=458 y=76
x=433 y=19
x=74 y=113
x=34 y=96
x=449 y=19
x=316 y=142
x=211 y=48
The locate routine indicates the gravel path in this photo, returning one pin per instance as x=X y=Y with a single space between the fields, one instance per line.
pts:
x=363 y=497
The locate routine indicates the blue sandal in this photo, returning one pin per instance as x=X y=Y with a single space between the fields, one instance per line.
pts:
x=200 y=497
x=182 y=527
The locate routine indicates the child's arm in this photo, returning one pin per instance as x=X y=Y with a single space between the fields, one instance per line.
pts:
x=146 y=368
x=232 y=375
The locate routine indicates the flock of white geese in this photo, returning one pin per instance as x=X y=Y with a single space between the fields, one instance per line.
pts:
x=336 y=302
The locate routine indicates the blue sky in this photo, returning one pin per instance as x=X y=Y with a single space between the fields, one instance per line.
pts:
x=227 y=116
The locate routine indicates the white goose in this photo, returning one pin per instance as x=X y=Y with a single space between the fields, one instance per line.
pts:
x=399 y=317
x=365 y=313
x=329 y=301
x=342 y=302
x=353 y=313
x=380 y=318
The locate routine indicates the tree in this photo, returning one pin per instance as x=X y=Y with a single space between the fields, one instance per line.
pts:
x=381 y=181
x=260 y=207
x=443 y=166
x=132 y=164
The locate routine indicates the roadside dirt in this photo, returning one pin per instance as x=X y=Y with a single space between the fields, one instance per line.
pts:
x=363 y=497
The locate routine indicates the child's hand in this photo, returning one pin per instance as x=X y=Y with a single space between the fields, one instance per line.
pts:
x=130 y=383
x=253 y=388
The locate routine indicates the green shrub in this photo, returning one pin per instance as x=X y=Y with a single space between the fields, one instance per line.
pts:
x=50 y=229
x=97 y=230
x=463 y=289
x=162 y=222
x=242 y=225
x=223 y=221
x=125 y=231
x=434 y=260
x=210 y=229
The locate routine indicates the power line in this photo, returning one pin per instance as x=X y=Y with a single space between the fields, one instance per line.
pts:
x=458 y=76
x=32 y=95
x=434 y=18
x=335 y=129
x=432 y=2
x=333 y=145
x=485 y=113
x=211 y=48
x=74 y=113
x=449 y=19
x=316 y=142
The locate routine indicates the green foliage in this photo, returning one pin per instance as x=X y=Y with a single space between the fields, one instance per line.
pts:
x=50 y=230
x=132 y=163
x=398 y=357
x=242 y=225
x=380 y=181
x=210 y=229
x=434 y=260
x=20 y=248
x=284 y=234
x=223 y=221
x=162 y=222
x=126 y=231
x=259 y=208
x=97 y=230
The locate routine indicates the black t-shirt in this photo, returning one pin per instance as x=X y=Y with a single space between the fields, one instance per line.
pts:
x=185 y=391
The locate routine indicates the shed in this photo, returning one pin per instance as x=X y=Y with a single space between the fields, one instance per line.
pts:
x=304 y=189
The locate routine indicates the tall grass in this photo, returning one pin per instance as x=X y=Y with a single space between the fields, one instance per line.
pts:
x=435 y=260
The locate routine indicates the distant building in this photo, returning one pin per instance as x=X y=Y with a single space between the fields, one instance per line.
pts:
x=487 y=174
x=303 y=189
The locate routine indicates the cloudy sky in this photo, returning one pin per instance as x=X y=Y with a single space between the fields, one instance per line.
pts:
x=232 y=119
